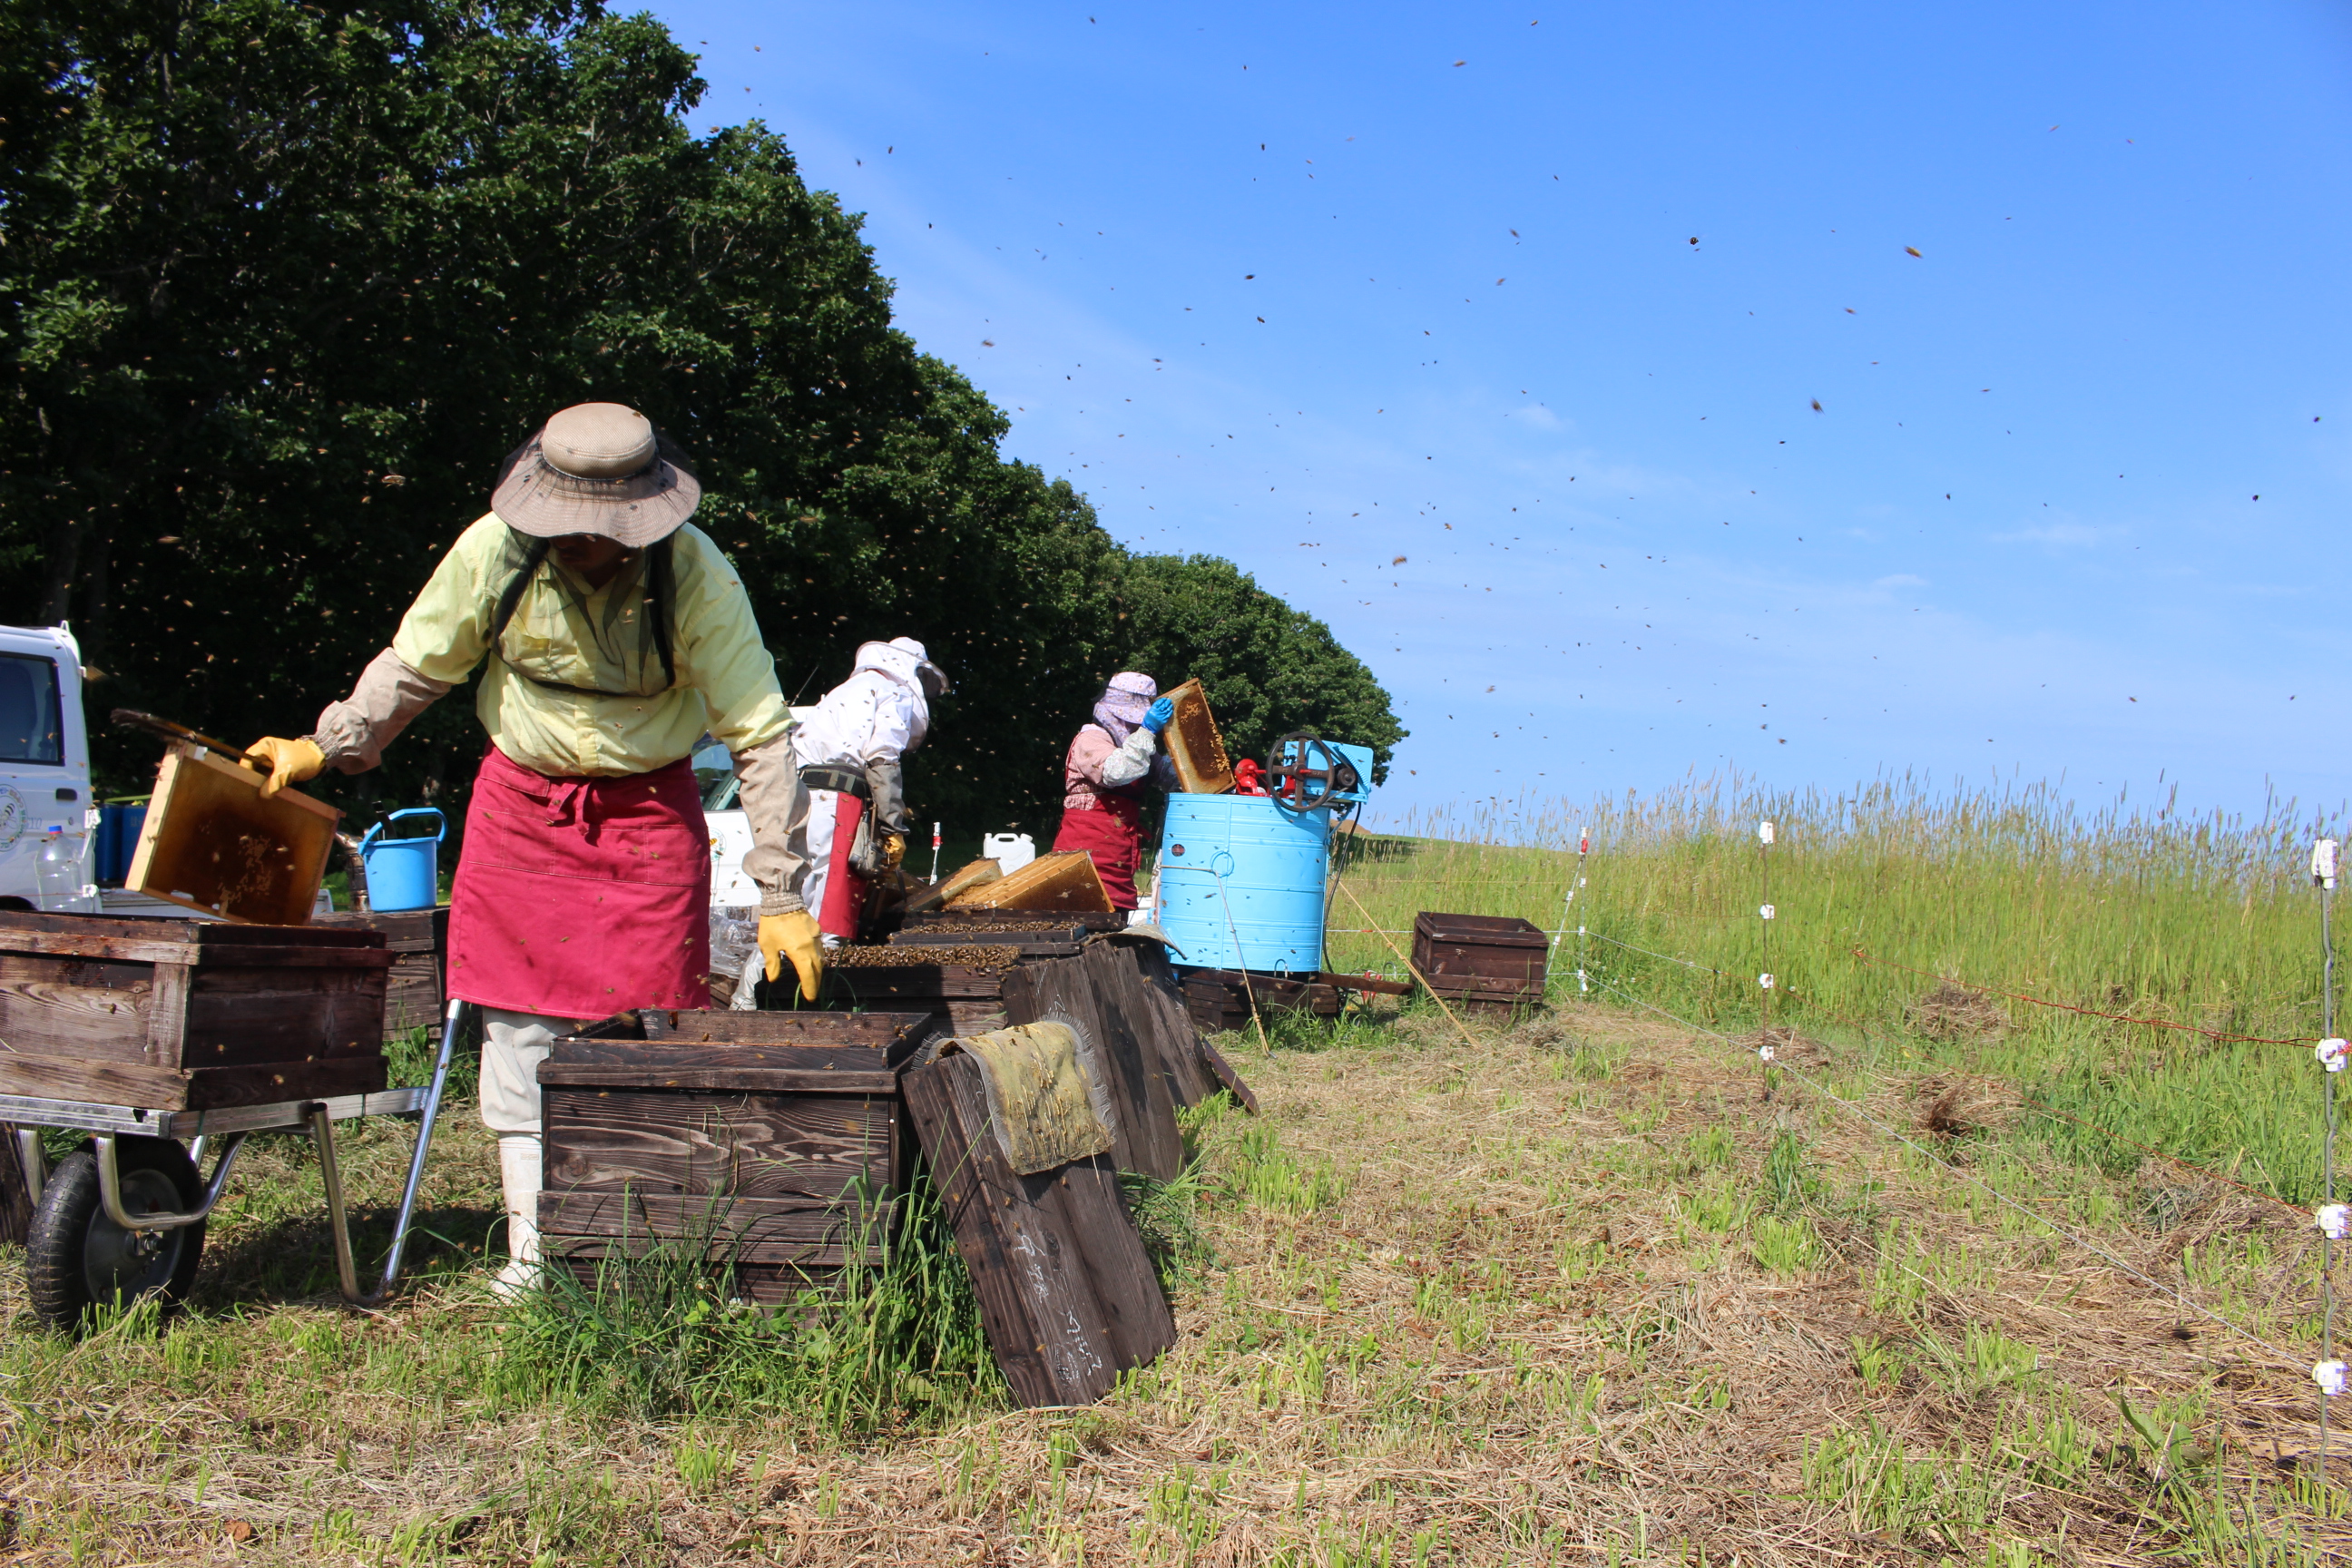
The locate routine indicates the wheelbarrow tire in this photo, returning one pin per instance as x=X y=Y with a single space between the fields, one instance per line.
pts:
x=76 y=1258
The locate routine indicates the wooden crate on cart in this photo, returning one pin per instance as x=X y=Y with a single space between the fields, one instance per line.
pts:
x=418 y=940
x=1486 y=963
x=183 y=1014
x=774 y=1143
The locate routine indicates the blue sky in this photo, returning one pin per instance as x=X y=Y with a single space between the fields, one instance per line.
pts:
x=1314 y=288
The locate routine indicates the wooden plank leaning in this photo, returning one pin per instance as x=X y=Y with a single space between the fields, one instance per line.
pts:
x=1067 y=1291
x=1101 y=993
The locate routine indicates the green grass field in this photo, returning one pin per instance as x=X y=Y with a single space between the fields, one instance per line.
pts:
x=1591 y=1287
x=2211 y=923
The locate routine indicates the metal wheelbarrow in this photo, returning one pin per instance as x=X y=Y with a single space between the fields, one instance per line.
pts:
x=122 y=1220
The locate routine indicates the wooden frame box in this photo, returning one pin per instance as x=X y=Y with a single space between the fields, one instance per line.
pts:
x=174 y=1015
x=211 y=842
x=1494 y=962
x=775 y=1141
x=1194 y=743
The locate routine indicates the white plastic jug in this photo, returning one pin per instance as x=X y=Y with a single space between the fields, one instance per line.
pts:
x=1011 y=851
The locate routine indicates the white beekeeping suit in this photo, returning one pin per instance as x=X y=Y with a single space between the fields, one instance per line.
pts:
x=859 y=735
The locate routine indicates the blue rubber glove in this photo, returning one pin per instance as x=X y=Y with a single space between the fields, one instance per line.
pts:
x=1159 y=715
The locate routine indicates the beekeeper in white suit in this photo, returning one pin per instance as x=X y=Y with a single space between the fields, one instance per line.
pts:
x=851 y=748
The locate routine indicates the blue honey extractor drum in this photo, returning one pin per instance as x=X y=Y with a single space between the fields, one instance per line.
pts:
x=1240 y=882
x=1242 y=877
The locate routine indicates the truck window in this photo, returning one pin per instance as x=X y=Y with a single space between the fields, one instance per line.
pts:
x=30 y=729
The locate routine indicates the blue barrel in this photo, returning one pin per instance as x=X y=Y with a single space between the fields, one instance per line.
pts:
x=1240 y=882
x=117 y=840
x=402 y=873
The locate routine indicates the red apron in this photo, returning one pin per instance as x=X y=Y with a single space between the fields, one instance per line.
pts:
x=1113 y=834
x=582 y=897
x=845 y=889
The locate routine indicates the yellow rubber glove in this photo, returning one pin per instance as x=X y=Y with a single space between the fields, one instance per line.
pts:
x=894 y=849
x=793 y=936
x=290 y=762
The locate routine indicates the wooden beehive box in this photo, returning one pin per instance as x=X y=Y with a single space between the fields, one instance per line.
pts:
x=211 y=842
x=1060 y=942
x=1489 y=962
x=418 y=941
x=175 y=1015
x=1194 y=746
x=774 y=1143
x=1219 y=999
x=1084 y=921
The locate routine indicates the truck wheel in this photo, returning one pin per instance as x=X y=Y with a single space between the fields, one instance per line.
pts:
x=76 y=1258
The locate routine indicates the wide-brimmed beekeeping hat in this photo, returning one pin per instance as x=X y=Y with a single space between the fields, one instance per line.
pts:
x=596 y=467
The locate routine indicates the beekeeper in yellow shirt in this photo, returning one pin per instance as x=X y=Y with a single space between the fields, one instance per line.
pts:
x=611 y=634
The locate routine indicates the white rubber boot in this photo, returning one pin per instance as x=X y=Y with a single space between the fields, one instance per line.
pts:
x=518 y=1175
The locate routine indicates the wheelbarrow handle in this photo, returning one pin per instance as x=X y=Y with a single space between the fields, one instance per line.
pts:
x=324 y=1137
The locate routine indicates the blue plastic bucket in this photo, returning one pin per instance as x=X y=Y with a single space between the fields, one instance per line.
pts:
x=402 y=873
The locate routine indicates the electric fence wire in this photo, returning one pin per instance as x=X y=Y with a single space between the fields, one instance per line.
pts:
x=1670 y=958
x=2220 y=1037
x=2286 y=1356
x=2186 y=1167
x=1567 y=904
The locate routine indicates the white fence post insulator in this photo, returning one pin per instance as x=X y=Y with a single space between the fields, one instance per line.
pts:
x=1764 y=982
x=1765 y=912
x=1764 y=1053
x=2331 y=1052
x=1764 y=833
x=1567 y=904
x=2334 y=1220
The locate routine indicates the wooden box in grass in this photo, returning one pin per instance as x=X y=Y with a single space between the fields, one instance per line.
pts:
x=1491 y=963
x=774 y=1143
x=171 y=1015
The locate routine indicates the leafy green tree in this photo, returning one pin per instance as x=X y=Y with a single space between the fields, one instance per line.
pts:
x=280 y=284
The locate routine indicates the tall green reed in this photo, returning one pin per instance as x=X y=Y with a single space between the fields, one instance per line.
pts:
x=2142 y=911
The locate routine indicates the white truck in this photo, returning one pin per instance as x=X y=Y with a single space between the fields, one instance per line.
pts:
x=44 y=755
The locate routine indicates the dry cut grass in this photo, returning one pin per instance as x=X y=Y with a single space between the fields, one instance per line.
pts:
x=1582 y=1291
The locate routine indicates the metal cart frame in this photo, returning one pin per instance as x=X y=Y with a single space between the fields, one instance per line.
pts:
x=231 y=1126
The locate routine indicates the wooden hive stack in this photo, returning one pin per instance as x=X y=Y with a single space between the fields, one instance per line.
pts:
x=774 y=1143
x=418 y=941
x=173 y=1014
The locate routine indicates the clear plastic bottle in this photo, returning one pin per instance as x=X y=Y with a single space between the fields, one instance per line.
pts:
x=57 y=876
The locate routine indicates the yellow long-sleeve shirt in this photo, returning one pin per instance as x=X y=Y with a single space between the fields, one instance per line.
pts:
x=565 y=632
